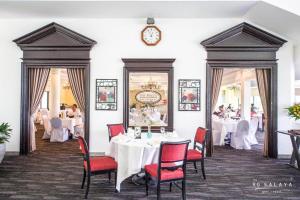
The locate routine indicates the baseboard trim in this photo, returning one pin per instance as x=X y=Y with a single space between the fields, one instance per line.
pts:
x=284 y=156
x=12 y=153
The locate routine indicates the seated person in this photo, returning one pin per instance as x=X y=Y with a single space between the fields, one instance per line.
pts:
x=221 y=112
x=74 y=111
x=230 y=108
x=253 y=110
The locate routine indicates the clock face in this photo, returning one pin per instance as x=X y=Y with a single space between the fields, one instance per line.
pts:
x=151 y=35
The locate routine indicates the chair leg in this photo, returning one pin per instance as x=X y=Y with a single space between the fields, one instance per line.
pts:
x=88 y=185
x=158 y=190
x=109 y=176
x=116 y=175
x=195 y=166
x=202 y=168
x=146 y=183
x=83 y=180
x=170 y=187
x=183 y=190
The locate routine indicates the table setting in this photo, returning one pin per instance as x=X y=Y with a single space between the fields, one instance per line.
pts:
x=132 y=153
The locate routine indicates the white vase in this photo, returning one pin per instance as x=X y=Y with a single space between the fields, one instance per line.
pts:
x=2 y=152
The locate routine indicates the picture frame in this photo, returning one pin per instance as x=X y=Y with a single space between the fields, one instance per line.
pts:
x=189 y=95
x=106 y=94
x=148 y=94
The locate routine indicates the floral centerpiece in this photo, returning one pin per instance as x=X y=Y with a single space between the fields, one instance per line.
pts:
x=294 y=111
x=5 y=132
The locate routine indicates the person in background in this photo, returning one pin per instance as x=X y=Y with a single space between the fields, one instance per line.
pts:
x=238 y=112
x=253 y=110
x=229 y=108
x=74 y=111
x=221 y=112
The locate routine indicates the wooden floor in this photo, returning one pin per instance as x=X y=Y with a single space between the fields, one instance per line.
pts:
x=54 y=171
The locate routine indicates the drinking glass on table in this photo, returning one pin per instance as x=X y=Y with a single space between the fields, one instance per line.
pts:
x=162 y=130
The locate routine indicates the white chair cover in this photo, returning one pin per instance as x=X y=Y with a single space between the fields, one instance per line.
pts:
x=219 y=132
x=239 y=139
x=58 y=133
x=253 y=129
x=79 y=130
x=47 y=127
x=43 y=112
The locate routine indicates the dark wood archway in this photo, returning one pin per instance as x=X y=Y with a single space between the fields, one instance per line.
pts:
x=52 y=46
x=244 y=46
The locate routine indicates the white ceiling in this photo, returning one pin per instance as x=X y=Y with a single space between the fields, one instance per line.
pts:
x=124 y=9
x=280 y=18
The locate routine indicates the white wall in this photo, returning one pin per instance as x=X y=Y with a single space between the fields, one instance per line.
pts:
x=286 y=93
x=120 y=38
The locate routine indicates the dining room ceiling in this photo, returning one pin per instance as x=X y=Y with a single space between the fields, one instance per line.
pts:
x=285 y=23
x=124 y=9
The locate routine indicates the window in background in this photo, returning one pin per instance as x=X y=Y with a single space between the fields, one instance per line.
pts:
x=45 y=101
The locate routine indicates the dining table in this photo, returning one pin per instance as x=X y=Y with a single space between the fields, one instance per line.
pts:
x=133 y=154
x=221 y=127
x=295 y=142
x=70 y=123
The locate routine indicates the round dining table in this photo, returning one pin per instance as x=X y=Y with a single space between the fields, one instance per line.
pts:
x=133 y=154
x=70 y=123
x=221 y=127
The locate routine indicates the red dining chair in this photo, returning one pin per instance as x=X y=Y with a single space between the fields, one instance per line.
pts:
x=171 y=166
x=115 y=129
x=95 y=165
x=197 y=153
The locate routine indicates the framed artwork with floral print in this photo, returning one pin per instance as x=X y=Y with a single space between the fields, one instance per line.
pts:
x=189 y=94
x=106 y=94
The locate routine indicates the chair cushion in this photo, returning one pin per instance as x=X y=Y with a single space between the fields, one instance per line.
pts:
x=193 y=154
x=101 y=163
x=165 y=174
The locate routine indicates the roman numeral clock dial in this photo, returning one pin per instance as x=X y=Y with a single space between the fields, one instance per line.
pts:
x=151 y=35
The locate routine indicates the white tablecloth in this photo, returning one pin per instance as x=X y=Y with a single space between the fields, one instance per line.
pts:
x=221 y=127
x=69 y=123
x=133 y=154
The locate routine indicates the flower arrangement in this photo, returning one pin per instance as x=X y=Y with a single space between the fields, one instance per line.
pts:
x=294 y=111
x=5 y=132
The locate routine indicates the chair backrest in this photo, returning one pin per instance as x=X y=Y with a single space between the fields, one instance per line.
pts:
x=83 y=146
x=85 y=152
x=172 y=155
x=56 y=123
x=44 y=111
x=200 y=138
x=115 y=129
x=200 y=135
x=242 y=128
x=47 y=124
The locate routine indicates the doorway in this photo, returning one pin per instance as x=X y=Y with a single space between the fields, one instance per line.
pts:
x=52 y=46
x=243 y=46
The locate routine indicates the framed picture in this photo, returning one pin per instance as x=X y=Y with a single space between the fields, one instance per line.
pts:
x=189 y=94
x=106 y=94
x=148 y=94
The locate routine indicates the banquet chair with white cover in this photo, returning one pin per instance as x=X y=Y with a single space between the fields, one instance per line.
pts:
x=58 y=133
x=47 y=127
x=218 y=132
x=253 y=128
x=239 y=139
x=43 y=112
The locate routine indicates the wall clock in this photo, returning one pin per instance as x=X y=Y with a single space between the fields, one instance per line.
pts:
x=151 y=35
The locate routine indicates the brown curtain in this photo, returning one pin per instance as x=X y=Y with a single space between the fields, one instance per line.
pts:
x=37 y=81
x=76 y=79
x=263 y=82
x=216 y=78
x=216 y=82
